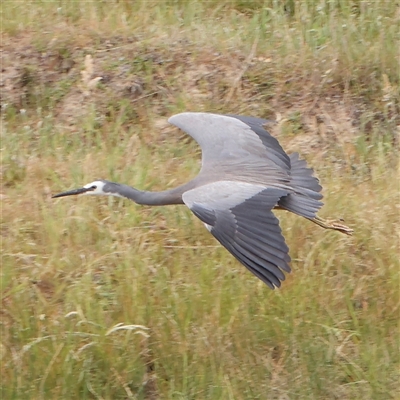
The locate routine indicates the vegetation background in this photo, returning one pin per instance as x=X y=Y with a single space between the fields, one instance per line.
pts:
x=103 y=299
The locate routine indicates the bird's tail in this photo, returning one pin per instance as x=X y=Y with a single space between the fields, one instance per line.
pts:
x=305 y=199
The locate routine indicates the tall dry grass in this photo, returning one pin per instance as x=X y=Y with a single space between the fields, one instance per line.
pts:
x=105 y=299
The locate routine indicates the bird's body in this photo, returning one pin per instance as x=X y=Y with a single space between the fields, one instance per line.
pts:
x=245 y=173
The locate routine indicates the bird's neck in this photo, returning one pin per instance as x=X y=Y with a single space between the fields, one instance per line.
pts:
x=166 y=197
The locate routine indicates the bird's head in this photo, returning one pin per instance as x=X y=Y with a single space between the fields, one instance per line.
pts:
x=96 y=187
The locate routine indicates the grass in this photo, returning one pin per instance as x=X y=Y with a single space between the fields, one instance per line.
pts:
x=105 y=299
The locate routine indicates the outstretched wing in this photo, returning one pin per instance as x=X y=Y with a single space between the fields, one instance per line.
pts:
x=238 y=146
x=239 y=215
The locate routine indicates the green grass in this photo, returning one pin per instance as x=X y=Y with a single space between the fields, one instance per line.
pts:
x=105 y=299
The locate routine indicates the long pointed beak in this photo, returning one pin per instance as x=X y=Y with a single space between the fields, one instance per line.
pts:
x=72 y=192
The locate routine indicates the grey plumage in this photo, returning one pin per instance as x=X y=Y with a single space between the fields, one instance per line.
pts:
x=245 y=174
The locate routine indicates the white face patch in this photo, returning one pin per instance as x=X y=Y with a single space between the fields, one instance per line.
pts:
x=99 y=188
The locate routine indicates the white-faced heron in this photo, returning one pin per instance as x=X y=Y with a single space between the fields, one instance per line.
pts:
x=245 y=174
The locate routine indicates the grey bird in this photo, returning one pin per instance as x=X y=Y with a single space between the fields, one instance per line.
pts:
x=245 y=174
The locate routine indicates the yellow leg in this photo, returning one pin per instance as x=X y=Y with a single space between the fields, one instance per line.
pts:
x=332 y=225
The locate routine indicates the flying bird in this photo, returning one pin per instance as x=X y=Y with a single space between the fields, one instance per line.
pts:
x=245 y=174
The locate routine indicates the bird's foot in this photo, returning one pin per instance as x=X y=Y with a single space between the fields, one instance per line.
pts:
x=332 y=224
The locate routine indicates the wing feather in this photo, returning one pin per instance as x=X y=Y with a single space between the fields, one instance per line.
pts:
x=259 y=272
x=237 y=147
x=263 y=238
x=261 y=250
x=260 y=257
x=277 y=154
x=241 y=219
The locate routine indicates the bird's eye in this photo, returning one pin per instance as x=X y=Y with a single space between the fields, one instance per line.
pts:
x=93 y=187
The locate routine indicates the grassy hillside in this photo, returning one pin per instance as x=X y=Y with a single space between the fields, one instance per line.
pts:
x=104 y=299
